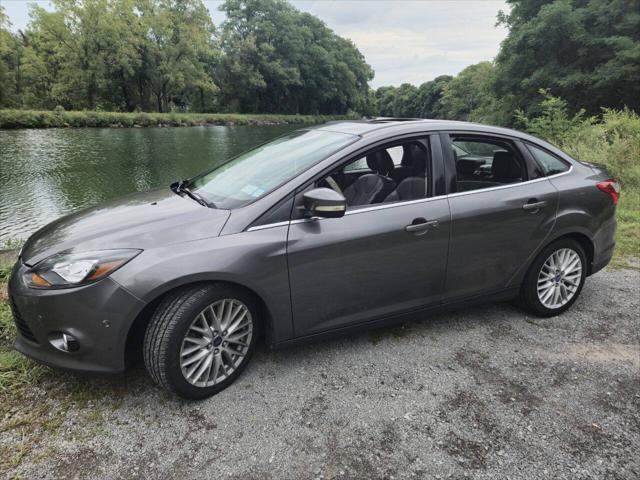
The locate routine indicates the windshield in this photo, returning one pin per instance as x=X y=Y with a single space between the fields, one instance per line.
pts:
x=255 y=173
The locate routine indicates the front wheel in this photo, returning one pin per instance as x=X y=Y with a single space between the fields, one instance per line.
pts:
x=200 y=339
x=555 y=278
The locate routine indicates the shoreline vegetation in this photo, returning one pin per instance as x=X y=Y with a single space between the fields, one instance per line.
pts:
x=16 y=119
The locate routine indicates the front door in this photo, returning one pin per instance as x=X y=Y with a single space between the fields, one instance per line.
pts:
x=386 y=255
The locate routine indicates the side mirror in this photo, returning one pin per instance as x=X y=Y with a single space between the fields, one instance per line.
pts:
x=324 y=202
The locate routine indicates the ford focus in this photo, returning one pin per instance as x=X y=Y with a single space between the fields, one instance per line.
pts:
x=344 y=226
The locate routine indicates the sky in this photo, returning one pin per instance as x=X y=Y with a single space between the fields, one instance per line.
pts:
x=410 y=41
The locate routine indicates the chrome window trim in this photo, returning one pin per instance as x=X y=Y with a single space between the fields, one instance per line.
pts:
x=268 y=225
x=392 y=205
x=491 y=189
x=510 y=185
x=410 y=202
x=304 y=220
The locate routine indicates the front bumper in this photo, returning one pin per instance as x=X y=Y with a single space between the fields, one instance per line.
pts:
x=98 y=316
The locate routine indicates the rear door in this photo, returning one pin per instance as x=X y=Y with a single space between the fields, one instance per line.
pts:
x=379 y=259
x=502 y=210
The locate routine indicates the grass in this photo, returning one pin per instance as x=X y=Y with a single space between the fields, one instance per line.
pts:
x=35 y=400
x=17 y=375
x=61 y=118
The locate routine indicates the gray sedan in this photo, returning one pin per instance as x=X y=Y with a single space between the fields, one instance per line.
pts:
x=349 y=225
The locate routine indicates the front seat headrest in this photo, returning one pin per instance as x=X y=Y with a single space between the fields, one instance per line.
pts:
x=505 y=166
x=408 y=152
x=416 y=158
x=466 y=167
x=380 y=162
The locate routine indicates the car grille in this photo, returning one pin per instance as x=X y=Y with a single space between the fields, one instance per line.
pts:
x=21 y=325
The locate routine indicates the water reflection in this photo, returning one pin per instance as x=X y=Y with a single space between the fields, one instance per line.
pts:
x=45 y=174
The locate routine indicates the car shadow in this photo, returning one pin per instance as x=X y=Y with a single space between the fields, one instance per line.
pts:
x=135 y=382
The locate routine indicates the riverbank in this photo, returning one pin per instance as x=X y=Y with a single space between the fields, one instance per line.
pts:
x=11 y=119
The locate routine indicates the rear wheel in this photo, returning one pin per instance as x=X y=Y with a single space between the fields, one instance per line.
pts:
x=555 y=278
x=200 y=339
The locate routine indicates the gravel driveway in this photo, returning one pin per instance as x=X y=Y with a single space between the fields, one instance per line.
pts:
x=484 y=392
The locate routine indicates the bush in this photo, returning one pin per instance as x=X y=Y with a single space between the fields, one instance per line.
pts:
x=612 y=141
x=554 y=123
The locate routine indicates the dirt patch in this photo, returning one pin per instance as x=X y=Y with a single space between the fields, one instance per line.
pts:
x=473 y=410
x=602 y=353
x=472 y=454
x=509 y=390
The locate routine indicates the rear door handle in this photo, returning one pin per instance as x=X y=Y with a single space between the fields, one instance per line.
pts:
x=534 y=206
x=420 y=225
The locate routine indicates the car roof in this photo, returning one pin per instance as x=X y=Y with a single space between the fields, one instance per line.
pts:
x=401 y=125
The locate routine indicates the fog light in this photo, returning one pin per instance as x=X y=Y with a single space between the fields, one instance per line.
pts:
x=64 y=342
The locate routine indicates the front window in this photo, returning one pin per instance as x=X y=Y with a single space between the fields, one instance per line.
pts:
x=255 y=173
x=395 y=173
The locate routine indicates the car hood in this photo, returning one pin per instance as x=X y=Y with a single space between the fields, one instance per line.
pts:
x=140 y=220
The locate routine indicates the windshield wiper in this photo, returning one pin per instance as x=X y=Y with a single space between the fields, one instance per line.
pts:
x=183 y=187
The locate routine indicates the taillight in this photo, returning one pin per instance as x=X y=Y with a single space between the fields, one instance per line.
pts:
x=612 y=188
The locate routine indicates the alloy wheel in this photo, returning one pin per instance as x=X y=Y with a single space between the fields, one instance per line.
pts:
x=559 y=278
x=216 y=342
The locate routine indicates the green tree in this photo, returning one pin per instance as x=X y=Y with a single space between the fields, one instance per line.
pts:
x=469 y=95
x=115 y=54
x=277 y=59
x=405 y=101
x=430 y=96
x=385 y=98
x=10 y=52
x=410 y=101
x=45 y=44
x=585 y=51
x=177 y=48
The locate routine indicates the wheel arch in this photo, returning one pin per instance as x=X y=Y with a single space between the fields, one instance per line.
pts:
x=137 y=329
x=587 y=245
x=579 y=236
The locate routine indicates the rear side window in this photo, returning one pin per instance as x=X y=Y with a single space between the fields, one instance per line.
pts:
x=485 y=163
x=550 y=163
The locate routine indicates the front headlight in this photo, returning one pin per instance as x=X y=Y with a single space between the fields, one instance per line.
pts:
x=70 y=269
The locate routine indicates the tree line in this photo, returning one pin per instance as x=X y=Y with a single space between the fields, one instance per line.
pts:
x=268 y=57
x=161 y=55
x=586 y=52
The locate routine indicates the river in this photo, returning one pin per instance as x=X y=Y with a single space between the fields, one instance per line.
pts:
x=45 y=174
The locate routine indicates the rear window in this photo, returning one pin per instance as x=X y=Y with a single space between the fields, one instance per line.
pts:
x=550 y=164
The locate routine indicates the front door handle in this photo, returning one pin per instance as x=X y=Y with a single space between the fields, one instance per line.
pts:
x=533 y=206
x=420 y=226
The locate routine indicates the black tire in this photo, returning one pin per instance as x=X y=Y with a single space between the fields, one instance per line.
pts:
x=529 y=292
x=171 y=322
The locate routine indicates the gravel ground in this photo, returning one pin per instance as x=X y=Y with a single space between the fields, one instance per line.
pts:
x=484 y=392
